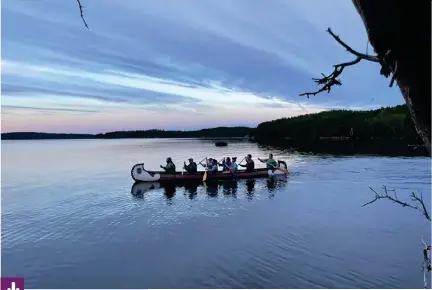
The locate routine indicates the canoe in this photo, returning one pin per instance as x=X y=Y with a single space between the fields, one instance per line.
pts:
x=140 y=174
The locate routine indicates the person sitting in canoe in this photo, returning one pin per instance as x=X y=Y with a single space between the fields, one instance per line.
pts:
x=214 y=168
x=250 y=164
x=208 y=163
x=170 y=166
x=270 y=162
x=191 y=167
x=234 y=166
x=226 y=164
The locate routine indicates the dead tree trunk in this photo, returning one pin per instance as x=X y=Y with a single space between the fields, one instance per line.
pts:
x=400 y=33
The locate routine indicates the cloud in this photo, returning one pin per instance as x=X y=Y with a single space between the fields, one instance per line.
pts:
x=248 y=60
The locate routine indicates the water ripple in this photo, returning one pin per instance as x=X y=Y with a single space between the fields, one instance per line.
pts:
x=76 y=218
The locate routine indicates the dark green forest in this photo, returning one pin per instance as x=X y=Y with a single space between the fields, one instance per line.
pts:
x=382 y=124
x=218 y=132
x=40 y=136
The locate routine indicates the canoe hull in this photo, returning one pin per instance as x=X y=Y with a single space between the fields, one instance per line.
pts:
x=140 y=174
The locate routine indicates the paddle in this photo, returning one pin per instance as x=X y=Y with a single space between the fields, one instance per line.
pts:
x=205 y=172
x=200 y=163
x=282 y=169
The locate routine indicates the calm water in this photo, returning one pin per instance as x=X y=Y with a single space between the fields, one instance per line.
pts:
x=69 y=220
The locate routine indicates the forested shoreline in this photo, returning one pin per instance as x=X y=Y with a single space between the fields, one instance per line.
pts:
x=384 y=127
x=393 y=123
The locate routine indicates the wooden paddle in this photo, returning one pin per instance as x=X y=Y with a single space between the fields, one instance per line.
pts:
x=277 y=167
x=205 y=171
x=282 y=169
x=205 y=175
x=242 y=160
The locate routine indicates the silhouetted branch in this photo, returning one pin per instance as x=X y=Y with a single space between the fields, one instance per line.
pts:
x=349 y=49
x=82 y=14
x=420 y=207
x=426 y=262
x=327 y=82
x=395 y=199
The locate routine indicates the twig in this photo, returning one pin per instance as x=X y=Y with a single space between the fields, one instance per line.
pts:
x=420 y=200
x=331 y=80
x=426 y=267
x=395 y=199
x=426 y=262
x=82 y=13
x=349 y=49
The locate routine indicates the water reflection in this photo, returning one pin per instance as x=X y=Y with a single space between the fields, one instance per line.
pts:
x=213 y=188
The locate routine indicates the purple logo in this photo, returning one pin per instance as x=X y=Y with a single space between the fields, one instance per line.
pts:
x=12 y=283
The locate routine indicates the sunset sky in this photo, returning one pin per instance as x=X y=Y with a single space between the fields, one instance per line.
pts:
x=186 y=64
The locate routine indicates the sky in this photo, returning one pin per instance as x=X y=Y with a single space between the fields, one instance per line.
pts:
x=178 y=65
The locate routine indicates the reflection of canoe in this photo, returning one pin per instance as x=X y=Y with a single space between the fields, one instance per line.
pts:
x=139 y=174
x=139 y=189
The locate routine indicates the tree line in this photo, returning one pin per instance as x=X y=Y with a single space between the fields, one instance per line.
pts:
x=218 y=132
x=388 y=123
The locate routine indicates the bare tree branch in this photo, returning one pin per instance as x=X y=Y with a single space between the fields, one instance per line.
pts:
x=427 y=265
x=394 y=198
x=82 y=13
x=327 y=82
x=349 y=49
x=420 y=207
x=419 y=200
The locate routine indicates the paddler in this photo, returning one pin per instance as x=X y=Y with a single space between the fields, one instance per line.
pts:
x=191 y=167
x=270 y=162
x=234 y=166
x=207 y=164
x=226 y=164
x=214 y=167
x=170 y=166
x=250 y=164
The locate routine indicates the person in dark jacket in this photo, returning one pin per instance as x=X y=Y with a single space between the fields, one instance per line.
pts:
x=170 y=166
x=250 y=164
x=191 y=167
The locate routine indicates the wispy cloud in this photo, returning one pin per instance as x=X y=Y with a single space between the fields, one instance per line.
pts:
x=147 y=64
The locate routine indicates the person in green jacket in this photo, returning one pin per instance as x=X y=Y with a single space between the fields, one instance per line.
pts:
x=170 y=166
x=270 y=162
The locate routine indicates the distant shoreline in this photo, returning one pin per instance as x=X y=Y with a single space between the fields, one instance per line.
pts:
x=382 y=131
x=218 y=132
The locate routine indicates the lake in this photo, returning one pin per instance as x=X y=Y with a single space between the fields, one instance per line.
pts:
x=71 y=218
